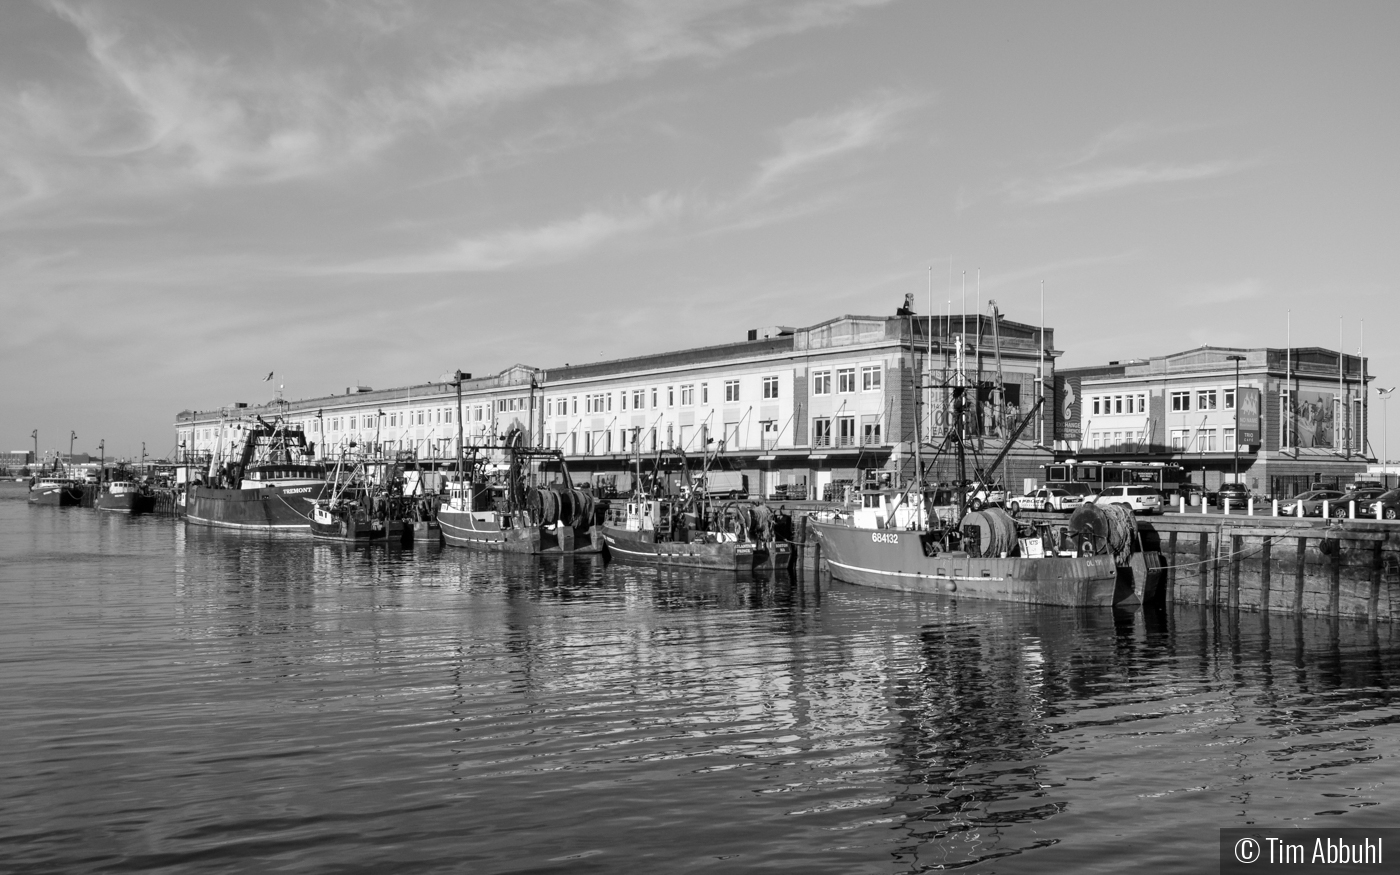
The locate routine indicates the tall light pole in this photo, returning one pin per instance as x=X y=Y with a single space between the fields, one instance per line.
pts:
x=1384 y=395
x=72 y=436
x=1237 y=359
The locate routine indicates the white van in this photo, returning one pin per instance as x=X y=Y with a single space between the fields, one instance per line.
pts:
x=723 y=484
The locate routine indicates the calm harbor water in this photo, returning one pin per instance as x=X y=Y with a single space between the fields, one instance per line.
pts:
x=187 y=700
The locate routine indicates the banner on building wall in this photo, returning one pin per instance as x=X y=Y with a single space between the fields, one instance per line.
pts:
x=998 y=410
x=1067 y=409
x=1247 y=408
x=1314 y=420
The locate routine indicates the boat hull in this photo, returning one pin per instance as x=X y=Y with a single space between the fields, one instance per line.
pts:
x=486 y=530
x=131 y=502
x=637 y=547
x=56 y=496
x=359 y=531
x=895 y=559
x=269 y=509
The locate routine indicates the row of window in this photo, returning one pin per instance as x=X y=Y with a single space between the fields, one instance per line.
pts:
x=839 y=431
x=870 y=380
x=1205 y=399
x=1111 y=405
x=1203 y=440
x=602 y=402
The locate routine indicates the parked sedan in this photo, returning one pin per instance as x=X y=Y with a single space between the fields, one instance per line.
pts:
x=1047 y=498
x=1140 y=499
x=1387 y=506
x=1311 y=500
x=1364 y=498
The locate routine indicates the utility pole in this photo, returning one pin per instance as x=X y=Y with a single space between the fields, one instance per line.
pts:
x=1237 y=359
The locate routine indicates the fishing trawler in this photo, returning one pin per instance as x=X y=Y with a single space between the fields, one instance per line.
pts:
x=691 y=529
x=357 y=511
x=125 y=496
x=271 y=487
x=913 y=542
x=530 y=507
x=56 y=490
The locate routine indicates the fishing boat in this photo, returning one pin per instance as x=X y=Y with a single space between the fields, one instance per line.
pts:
x=125 y=496
x=271 y=486
x=357 y=511
x=690 y=528
x=917 y=543
x=531 y=506
x=56 y=490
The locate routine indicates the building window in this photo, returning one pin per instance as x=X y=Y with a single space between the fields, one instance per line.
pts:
x=1228 y=441
x=845 y=380
x=1229 y=399
x=549 y=407
x=670 y=399
x=447 y=416
x=653 y=399
x=687 y=394
x=846 y=430
x=1142 y=404
x=1205 y=399
x=639 y=397
x=1096 y=405
x=1205 y=440
x=622 y=399
x=821 y=382
x=573 y=408
x=821 y=432
x=770 y=387
x=1181 y=401
x=1179 y=439
x=870 y=432
x=870 y=379
x=704 y=393
x=731 y=390
x=1117 y=403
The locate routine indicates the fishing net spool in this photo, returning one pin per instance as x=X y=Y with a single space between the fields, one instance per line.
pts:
x=989 y=532
x=1103 y=530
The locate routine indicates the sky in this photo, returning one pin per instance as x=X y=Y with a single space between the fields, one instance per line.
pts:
x=378 y=193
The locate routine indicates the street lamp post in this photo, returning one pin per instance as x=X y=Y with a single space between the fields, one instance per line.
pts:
x=1385 y=422
x=1237 y=359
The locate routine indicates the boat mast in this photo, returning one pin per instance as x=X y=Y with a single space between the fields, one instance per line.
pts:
x=918 y=390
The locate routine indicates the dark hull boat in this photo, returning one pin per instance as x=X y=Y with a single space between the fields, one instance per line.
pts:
x=56 y=493
x=125 y=497
x=348 y=527
x=534 y=508
x=706 y=550
x=507 y=533
x=272 y=487
x=897 y=559
x=269 y=508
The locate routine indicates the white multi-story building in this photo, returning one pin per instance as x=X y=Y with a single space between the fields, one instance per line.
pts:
x=1282 y=417
x=798 y=411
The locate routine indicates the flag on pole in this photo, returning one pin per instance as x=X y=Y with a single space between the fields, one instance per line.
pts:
x=269 y=376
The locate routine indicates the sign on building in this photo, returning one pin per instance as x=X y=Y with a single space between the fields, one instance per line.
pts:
x=1067 y=408
x=1247 y=416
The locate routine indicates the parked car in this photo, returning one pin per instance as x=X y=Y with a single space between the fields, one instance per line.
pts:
x=1047 y=498
x=1311 y=501
x=1237 y=493
x=981 y=494
x=1364 y=498
x=1387 y=505
x=1139 y=499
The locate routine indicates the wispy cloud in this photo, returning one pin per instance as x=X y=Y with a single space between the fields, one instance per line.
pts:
x=527 y=247
x=819 y=139
x=1110 y=180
